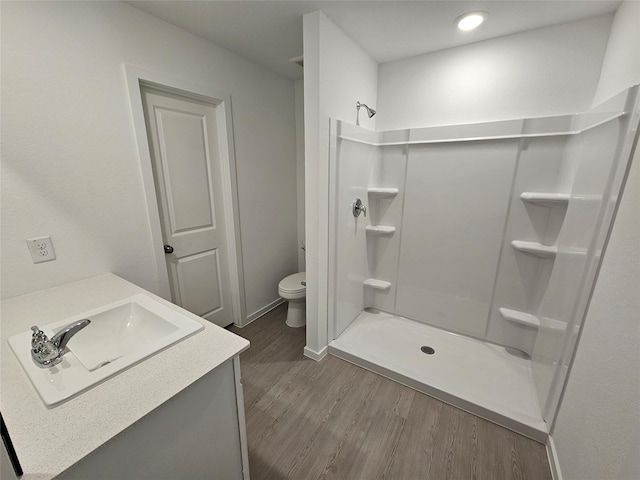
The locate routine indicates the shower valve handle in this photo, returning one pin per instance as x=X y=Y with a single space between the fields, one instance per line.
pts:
x=358 y=208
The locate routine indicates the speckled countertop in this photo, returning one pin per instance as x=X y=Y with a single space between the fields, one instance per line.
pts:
x=48 y=441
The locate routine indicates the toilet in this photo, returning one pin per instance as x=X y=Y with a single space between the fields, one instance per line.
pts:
x=293 y=289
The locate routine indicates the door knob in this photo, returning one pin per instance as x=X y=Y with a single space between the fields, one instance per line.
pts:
x=168 y=249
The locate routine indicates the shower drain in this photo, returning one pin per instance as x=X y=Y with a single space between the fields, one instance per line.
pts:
x=427 y=350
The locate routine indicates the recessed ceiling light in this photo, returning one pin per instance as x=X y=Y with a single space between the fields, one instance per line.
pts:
x=471 y=20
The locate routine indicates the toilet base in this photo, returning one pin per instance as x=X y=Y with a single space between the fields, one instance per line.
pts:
x=296 y=314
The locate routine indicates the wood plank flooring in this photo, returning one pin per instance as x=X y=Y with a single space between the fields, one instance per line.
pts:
x=334 y=420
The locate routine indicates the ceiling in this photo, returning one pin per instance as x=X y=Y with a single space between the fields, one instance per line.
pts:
x=270 y=32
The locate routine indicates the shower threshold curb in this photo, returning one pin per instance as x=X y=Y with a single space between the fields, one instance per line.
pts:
x=529 y=431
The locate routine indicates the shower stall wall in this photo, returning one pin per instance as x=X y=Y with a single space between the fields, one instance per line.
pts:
x=493 y=231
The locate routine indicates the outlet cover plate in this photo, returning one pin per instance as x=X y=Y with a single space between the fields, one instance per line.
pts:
x=41 y=249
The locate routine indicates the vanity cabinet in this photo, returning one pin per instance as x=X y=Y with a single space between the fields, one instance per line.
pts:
x=194 y=435
x=177 y=414
x=6 y=470
x=199 y=433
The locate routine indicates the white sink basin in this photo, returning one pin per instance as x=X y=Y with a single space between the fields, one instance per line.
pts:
x=119 y=335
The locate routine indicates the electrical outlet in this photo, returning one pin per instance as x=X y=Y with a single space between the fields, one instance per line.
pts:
x=41 y=249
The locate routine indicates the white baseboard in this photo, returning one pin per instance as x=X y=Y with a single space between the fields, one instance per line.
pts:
x=313 y=355
x=258 y=313
x=552 y=454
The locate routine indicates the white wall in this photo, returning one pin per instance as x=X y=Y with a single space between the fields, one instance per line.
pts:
x=599 y=419
x=69 y=158
x=597 y=430
x=299 y=99
x=455 y=206
x=355 y=165
x=338 y=73
x=522 y=279
x=621 y=64
x=384 y=251
x=541 y=72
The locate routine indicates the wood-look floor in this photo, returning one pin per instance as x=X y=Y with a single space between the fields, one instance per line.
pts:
x=334 y=420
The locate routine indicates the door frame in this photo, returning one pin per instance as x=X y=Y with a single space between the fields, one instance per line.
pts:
x=135 y=78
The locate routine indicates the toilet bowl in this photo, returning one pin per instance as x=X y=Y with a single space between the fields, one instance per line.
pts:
x=294 y=291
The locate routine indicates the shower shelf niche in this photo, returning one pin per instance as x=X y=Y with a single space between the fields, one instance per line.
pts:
x=377 y=284
x=546 y=199
x=380 y=230
x=382 y=192
x=522 y=318
x=535 y=248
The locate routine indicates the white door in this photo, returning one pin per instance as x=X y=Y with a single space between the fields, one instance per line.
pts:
x=185 y=155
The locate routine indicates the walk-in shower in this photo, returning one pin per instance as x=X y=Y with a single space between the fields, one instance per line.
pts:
x=470 y=276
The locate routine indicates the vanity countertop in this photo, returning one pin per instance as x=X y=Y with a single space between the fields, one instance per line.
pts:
x=49 y=440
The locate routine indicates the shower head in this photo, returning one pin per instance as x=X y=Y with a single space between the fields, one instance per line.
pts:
x=370 y=111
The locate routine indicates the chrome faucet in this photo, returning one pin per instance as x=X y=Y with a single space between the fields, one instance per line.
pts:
x=47 y=353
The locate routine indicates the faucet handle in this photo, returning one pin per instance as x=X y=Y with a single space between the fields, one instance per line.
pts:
x=38 y=337
x=357 y=207
x=44 y=352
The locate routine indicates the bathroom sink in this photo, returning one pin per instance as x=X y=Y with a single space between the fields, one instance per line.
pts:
x=119 y=335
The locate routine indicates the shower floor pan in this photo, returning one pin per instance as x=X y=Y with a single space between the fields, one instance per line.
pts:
x=481 y=378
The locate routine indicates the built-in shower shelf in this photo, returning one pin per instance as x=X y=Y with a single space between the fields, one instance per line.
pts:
x=546 y=199
x=376 y=284
x=534 y=248
x=380 y=230
x=521 y=318
x=382 y=192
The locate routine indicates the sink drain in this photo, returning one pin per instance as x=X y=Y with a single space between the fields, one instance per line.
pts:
x=427 y=350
